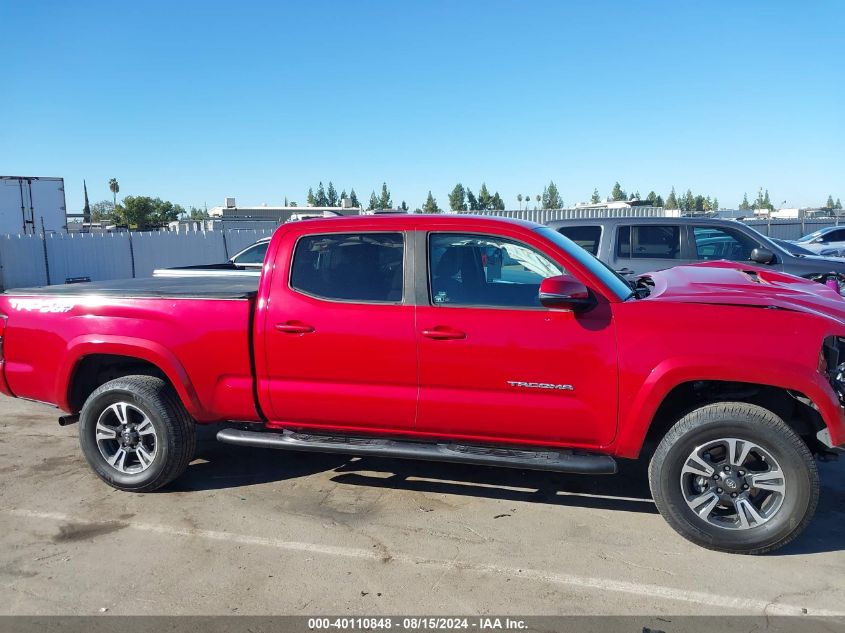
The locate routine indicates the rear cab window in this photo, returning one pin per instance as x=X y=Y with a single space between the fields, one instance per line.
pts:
x=358 y=267
x=649 y=241
x=587 y=237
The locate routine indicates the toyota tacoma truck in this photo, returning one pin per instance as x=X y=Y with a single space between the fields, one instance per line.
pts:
x=459 y=339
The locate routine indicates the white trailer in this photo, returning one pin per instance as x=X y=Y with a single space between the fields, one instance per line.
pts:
x=32 y=204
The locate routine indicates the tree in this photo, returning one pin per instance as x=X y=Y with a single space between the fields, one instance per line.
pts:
x=484 y=198
x=551 y=197
x=404 y=206
x=744 y=206
x=715 y=204
x=114 y=187
x=658 y=202
x=384 y=200
x=838 y=204
x=457 y=199
x=430 y=205
x=354 y=199
x=538 y=198
x=373 y=202
x=497 y=203
x=331 y=196
x=519 y=200
x=86 y=210
x=672 y=200
x=311 y=200
x=595 y=198
x=103 y=210
x=145 y=212
x=197 y=214
x=617 y=193
x=320 y=198
x=830 y=203
x=767 y=204
x=688 y=202
x=343 y=195
x=472 y=202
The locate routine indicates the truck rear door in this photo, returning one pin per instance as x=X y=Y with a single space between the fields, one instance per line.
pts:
x=339 y=337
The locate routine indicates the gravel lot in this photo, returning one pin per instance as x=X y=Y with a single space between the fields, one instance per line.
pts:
x=252 y=531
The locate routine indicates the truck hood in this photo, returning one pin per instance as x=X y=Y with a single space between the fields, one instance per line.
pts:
x=729 y=283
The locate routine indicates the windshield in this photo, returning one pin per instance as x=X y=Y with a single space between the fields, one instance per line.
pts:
x=811 y=236
x=608 y=276
x=793 y=248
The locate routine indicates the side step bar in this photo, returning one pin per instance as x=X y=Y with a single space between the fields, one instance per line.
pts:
x=556 y=460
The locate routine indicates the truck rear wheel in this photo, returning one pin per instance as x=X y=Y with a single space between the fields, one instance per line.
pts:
x=734 y=477
x=136 y=434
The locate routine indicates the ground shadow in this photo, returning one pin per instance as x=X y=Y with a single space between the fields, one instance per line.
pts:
x=826 y=532
x=221 y=466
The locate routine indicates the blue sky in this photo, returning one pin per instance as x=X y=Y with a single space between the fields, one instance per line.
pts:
x=193 y=102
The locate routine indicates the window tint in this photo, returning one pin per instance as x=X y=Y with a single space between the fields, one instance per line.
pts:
x=718 y=243
x=649 y=241
x=835 y=236
x=486 y=271
x=253 y=255
x=350 y=266
x=587 y=237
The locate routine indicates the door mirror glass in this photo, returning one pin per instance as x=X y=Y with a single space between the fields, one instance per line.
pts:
x=762 y=256
x=564 y=291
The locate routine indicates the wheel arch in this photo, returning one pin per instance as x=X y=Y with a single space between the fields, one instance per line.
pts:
x=672 y=391
x=90 y=362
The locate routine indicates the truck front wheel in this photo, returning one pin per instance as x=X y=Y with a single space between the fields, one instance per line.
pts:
x=136 y=434
x=734 y=477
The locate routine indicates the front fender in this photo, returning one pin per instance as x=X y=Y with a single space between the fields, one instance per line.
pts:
x=131 y=347
x=639 y=412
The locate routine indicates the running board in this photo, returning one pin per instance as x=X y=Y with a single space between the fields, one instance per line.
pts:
x=556 y=460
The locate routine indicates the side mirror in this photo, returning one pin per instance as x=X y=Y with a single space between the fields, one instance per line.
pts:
x=762 y=256
x=564 y=291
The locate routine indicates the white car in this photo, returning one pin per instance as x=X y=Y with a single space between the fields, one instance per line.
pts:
x=828 y=242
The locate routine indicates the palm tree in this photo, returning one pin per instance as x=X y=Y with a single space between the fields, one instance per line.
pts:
x=538 y=197
x=519 y=199
x=114 y=187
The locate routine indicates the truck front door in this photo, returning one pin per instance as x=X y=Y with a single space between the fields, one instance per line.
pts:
x=494 y=363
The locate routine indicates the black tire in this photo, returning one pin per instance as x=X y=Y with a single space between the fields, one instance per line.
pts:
x=749 y=423
x=175 y=431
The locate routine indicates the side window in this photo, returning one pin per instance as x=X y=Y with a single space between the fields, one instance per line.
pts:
x=718 y=243
x=350 y=266
x=649 y=241
x=835 y=236
x=587 y=237
x=253 y=255
x=466 y=270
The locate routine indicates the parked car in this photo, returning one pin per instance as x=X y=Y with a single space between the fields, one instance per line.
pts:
x=458 y=339
x=632 y=246
x=248 y=261
x=829 y=241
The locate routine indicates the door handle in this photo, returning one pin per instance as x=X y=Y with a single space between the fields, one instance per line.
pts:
x=294 y=327
x=443 y=333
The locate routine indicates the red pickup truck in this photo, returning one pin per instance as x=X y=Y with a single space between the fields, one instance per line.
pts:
x=460 y=339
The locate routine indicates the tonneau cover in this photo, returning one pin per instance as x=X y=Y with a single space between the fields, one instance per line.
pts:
x=210 y=287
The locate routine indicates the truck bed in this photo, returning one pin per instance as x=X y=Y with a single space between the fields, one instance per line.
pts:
x=206 y=287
